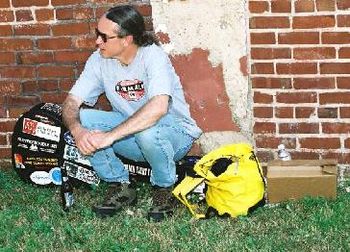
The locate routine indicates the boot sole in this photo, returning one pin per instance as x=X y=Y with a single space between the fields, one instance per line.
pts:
x=158 y=215
x=105 y=211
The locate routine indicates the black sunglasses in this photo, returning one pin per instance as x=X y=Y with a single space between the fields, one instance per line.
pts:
x=103 y=36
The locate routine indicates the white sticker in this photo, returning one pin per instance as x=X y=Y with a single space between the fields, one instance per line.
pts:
x=41 y=177
x=42 y=130
x=73 y=154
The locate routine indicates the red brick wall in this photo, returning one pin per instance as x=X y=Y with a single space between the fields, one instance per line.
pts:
x=299 y=62
x=43 y=47
x=300 y=74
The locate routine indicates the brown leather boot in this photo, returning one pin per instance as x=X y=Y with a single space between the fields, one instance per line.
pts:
x=163 y=203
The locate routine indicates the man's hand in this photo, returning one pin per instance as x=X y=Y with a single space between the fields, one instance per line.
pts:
x=99 y=139
x=83 y=140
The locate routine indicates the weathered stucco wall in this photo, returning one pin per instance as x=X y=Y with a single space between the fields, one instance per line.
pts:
x=208 y=43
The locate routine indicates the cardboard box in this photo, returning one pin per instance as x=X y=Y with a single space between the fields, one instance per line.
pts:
x=296 y=179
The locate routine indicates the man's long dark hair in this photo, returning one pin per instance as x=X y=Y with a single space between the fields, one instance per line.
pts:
x=131 y=22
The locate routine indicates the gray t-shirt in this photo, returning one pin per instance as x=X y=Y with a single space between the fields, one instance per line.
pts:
x=128 y=88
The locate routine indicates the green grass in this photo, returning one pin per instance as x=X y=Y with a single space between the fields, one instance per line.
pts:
x=31 y=219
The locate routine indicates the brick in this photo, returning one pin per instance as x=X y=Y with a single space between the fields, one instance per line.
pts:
x=72 y=56
x=262 y=68
x=84 y=14
x=269 y=22
x=343 y=20
x=335 y=68
x=86 y=42
x=304 y=6
x=8 y=87
x=343 y=4
x=22 y=101
x=345 y=112
x=48 y=85
x=5 y=3
x=305 y=155
x=6 y=16
x=335 y=37
x=296 y=68
x=284 y=112
x=270 y=53
x=262 y=98
x=325 y=5
x=310 y=22
x=24 y=15
x=298 y=128
x=263 y=141
x=319 y=143
x=334 y=98
x=5 y=153
x=35 y=58
x=44 y=14
x=261 y=82
x=79 y=70
x=6 y=30
x=66 y=2
x=313 y=53
x=264 y=127
x=54 y=97
x=343 y=82
x=16 y=112
x=314 y=83
x=299 y=38
x=342 y=158
x=28 y=3
x=304 y=112
x=335 y=128
x=35 y=29
x=66 y=84
x=3 y=140
x=7 y=126
x=262 y=38
x=55 y=71
x=263 y=112
x=344 y=53
x=30 y=87
x=347 y=143
x=265 y=156
x=17 y=72
x=281 y=6
x=296 y=97
x=100 y=11
x=3 y=112
x=258 y=7
x=327 y=112
x=7 y=58
x=64 y=14
x=70 y=29
x=54 y=43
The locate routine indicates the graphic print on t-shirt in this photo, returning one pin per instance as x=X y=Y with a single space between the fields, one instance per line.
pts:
x=130 y=90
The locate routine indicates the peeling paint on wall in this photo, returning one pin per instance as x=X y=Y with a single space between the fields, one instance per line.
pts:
x=219 y=28
x=205 y=91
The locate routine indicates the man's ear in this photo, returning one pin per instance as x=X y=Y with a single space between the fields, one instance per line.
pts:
x=128 y=40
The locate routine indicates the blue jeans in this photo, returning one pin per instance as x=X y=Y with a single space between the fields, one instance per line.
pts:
x=161 y=146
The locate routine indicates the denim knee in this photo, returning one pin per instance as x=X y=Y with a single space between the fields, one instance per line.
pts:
x=147 y=138
x=85 y=117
